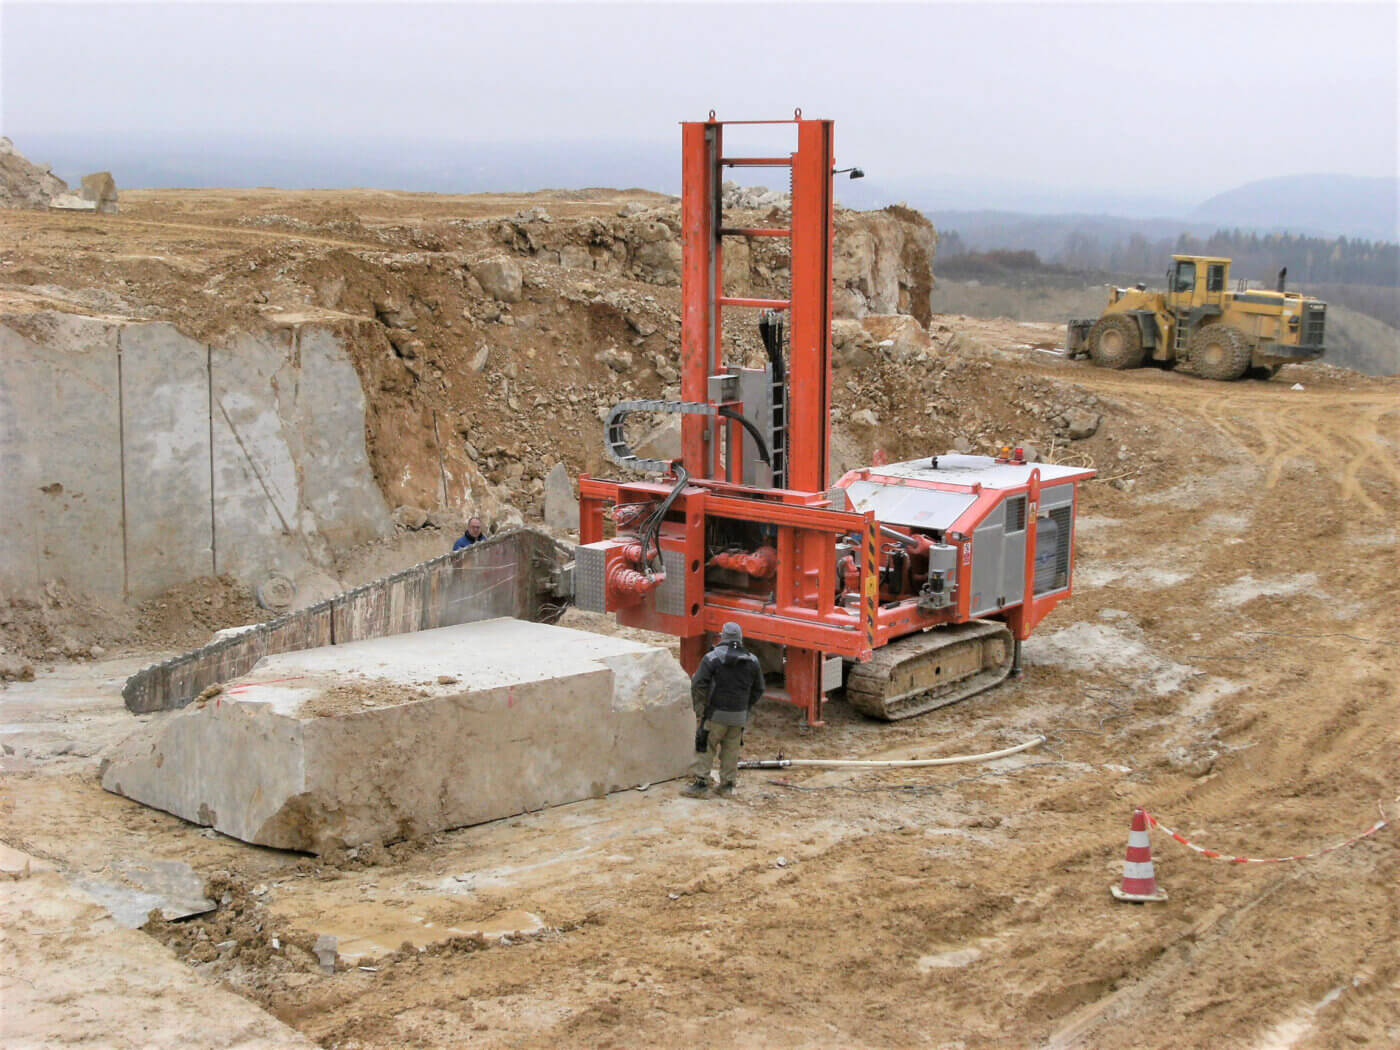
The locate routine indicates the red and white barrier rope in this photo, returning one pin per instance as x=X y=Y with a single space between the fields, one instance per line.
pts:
x=1211 y=854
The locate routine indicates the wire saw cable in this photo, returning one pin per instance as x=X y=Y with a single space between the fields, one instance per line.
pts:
x=886 y=763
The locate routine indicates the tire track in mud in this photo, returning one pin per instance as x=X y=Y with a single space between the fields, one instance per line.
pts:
x=1272 y=425
x=1373 y=455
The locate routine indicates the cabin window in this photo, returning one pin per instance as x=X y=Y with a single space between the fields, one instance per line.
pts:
x=1215 y=278
x=1185 y=279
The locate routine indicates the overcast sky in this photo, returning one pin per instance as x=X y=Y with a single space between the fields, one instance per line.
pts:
x=1179 y=100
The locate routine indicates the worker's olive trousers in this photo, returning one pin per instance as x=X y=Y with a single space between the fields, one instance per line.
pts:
x=724 y=741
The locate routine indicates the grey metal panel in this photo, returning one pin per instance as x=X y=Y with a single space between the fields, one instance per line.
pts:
x=1013 y=566
x=1058 y=503
x=721 y=387
x=670 y=596
x=1056 y=496
x=831 y=673
x=590 y=592
x=756 y=392
x=988 y=552
x=908 y=505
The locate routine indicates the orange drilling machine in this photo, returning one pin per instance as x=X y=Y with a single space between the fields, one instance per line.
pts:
x=909 y=585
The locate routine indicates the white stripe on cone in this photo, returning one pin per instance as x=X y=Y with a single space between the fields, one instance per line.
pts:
x=1138 y=838
x=1137 y=869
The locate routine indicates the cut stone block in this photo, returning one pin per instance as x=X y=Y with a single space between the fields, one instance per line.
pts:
x=402 y=736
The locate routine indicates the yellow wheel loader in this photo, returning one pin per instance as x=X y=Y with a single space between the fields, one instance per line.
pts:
x=1199 y=325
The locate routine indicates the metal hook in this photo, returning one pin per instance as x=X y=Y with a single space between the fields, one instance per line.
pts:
x=797 y=113
x=712 y=114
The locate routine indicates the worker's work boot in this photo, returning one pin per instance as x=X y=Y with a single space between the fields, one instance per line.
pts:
x=697 y=788
x=725 y=791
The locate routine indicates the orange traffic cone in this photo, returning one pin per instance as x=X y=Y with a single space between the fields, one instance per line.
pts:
x=1139 y=882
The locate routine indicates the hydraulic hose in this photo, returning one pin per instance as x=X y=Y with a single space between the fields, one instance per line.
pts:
x=763 y=454
x=770 y=329
x=886 y=763
x=650 y=532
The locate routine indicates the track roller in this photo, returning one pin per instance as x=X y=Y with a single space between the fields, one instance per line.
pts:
x=925 y=671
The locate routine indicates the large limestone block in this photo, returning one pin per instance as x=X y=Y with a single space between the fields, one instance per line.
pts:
x=101 y=189
x=396 y=737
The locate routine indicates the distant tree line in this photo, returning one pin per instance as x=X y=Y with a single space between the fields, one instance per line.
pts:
x=1258 y=257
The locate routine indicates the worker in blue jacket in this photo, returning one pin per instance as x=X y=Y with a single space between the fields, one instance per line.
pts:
x=726 y=685
x=473 y=534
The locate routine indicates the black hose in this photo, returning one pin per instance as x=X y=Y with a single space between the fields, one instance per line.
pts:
x=770 y=330
x=763 y=454
x=650 y=532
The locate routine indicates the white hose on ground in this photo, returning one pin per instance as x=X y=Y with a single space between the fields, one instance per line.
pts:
x=887 y=763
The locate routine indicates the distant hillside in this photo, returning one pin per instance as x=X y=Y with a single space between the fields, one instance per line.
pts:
x=1075 y=238
x=1330 y=205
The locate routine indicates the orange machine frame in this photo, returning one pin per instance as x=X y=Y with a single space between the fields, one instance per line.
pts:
x=803 y=617
x=804 y=612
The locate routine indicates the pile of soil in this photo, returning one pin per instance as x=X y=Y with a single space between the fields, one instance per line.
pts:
x=60 y=623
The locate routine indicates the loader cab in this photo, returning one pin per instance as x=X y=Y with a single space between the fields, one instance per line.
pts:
x=1197 y=280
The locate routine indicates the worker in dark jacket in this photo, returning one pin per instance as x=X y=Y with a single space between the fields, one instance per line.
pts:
x=472 y=536
x=727 y=684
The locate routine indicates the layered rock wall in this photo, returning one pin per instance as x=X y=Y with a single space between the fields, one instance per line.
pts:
x=136 y=458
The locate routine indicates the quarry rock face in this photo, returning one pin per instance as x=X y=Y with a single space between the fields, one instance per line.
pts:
x=144 y=458
x=884 y=263
x=402 y=736
x=24 y=184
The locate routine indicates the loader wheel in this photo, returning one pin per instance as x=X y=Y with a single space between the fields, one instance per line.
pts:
x=1115 y=341
x=1219 y=351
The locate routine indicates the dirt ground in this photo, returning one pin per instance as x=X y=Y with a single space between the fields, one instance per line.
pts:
x=1228 y=660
